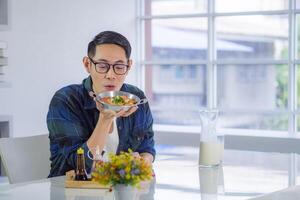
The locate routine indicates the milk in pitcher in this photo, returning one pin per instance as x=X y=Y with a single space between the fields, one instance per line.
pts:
x=211 y=153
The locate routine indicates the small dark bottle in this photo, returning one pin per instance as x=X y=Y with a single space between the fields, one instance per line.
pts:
x=80 y=173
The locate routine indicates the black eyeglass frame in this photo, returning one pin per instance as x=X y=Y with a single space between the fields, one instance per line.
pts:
x=109 y=66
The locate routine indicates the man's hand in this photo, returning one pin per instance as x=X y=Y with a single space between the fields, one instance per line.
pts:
x=145 y=156
x=105 y=113
x=124 y=113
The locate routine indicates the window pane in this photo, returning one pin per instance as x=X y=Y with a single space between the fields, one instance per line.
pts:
x=298 y=125
x=4 y=12
x=298 y=4
x=276 y=122
x=176 y=39
x=252 y=87
x=256 y=36
x=167 y=7
x=176 y=92
x=253 y=5
x=298 y=35
x=298 y=86
x=298 y=165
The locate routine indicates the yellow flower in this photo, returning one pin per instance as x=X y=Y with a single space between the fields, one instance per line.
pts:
x=127 y=169
x=123 y=168
x=127 y=176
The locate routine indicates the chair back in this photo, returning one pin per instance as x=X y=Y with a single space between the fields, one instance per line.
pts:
x=25 y=158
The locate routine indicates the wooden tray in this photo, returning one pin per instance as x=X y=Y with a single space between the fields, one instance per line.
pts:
x=71 y=183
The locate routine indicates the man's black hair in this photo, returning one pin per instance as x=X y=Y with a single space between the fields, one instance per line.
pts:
x=109 y=37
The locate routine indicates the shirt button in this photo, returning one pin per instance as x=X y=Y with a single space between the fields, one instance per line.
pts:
x=120 y=127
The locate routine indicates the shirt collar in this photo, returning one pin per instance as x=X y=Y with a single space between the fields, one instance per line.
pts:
x=88 y=100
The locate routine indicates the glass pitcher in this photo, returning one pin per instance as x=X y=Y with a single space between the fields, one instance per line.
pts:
x=211 y=181
x=98 y=157
x=211 y=143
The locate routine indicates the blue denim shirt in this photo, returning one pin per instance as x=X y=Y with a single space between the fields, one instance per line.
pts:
x=72 y=117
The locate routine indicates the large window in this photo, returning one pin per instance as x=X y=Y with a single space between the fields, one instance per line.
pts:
x=226 y=54
x=241 y=57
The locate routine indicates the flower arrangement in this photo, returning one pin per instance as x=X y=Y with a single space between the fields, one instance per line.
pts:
x=124 y=168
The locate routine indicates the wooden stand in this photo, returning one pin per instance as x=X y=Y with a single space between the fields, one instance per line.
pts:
x=71 y=183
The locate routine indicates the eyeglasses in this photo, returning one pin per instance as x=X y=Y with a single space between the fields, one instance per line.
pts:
x=104 y=67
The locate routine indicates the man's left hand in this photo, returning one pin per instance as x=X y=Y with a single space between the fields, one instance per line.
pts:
x=124 y=113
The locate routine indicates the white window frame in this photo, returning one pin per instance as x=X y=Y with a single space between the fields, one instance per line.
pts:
x=254 y=140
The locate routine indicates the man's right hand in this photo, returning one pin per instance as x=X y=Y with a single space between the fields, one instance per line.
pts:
x=105 y=113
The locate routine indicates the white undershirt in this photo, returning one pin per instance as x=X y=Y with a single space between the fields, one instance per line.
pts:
x=112 y=141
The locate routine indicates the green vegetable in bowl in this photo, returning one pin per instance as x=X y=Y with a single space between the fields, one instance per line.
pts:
x=118 y=100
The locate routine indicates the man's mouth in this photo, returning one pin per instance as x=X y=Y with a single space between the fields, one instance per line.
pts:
x=109 y=87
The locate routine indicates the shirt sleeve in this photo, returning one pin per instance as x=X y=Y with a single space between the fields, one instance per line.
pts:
x=147 y=145
x=66 y=135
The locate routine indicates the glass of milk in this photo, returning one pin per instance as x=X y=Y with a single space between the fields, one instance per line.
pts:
x=211 y=142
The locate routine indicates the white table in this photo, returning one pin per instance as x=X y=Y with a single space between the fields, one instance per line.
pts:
x=292 y=193
x=172 y=182
x=177 y=178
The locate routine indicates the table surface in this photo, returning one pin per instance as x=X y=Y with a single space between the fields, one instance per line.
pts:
x=177 y=178
x=200 y=183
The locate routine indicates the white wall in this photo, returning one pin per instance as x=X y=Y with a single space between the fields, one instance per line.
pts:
x=46 y=42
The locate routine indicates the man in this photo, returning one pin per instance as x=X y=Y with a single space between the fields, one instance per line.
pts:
x=76 y=120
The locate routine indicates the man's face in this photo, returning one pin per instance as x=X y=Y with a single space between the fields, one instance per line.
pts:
x=109 y=81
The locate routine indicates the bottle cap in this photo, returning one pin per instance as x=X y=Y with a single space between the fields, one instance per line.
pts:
x=80 y=151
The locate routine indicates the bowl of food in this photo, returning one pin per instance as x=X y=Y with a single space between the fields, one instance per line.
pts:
x=118 y=100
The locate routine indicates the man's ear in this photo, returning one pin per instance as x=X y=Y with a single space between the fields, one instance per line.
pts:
x=130 y=63
x=86 y=64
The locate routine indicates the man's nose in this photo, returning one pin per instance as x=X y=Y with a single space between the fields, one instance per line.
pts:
x=110 y=74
